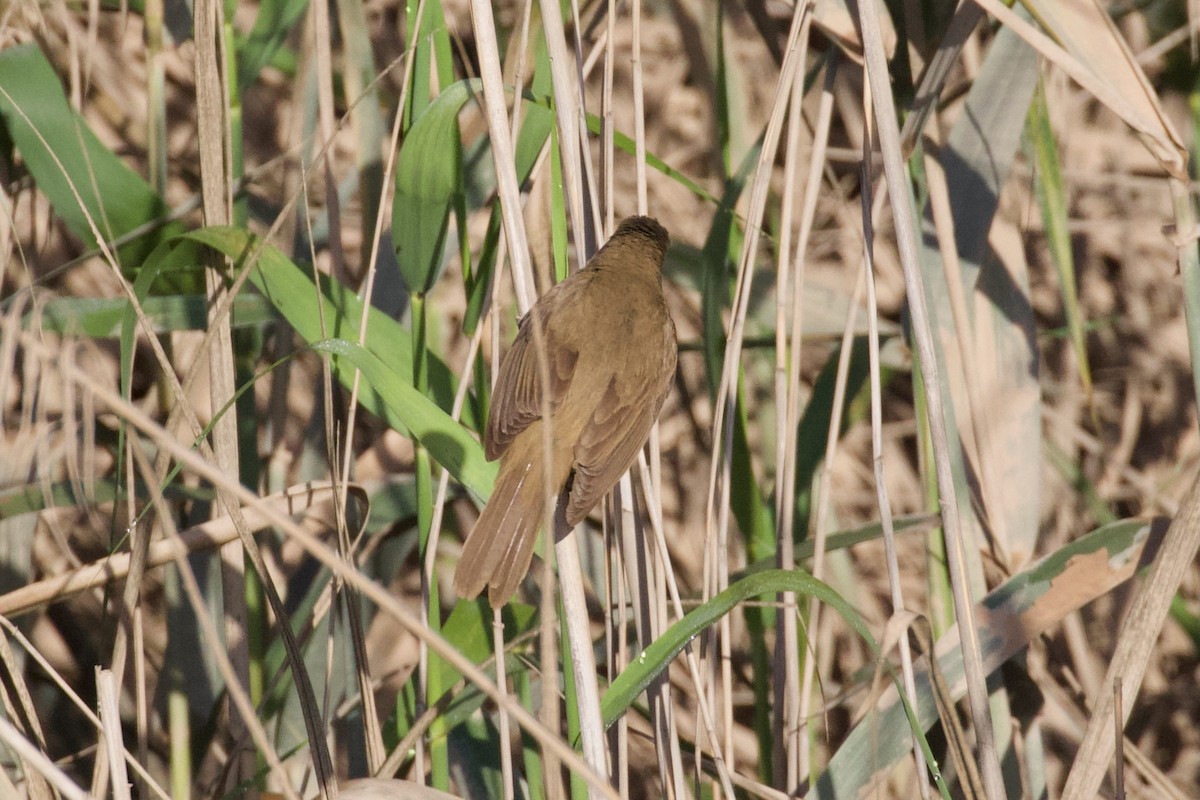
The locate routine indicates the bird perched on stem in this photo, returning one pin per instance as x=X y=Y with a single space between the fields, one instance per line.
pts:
x=609 y=355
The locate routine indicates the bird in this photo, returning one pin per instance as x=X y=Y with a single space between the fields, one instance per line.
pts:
x=610 y=352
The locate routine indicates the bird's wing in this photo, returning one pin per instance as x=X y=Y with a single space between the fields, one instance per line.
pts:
x=517 y=398
x=611 y=440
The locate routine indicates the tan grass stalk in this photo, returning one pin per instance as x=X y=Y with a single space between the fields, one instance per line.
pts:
x=583 y=661
x=550 y=714
x=794 y=721
x=881 y=493
x=130 y=612
x=639 y=110
x=506 y=761
x=616 y=633
x=18 y=705
x=518 y=80
x=372 y=730
x=820 y=529
x=717 y=530
x=905 y=227
x=568 y=104
x=31 y=755
x=110 y=731
x=502 y=152
x=607 y=150
x=69 y=692
x=1135 y=647
x=212 y=114
x=972 y=429
x=1157 y=51
x=140 y=697
x=788 y=344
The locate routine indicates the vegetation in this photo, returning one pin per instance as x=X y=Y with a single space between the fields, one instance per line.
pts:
x=919 y=516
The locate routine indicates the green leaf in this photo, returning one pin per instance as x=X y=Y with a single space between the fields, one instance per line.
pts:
x=446 y=440
x=275 y=21
x=755 y=516
x=80 y=177
x=428 y=182
x=431 y=41
x=293 y=294
x=469 y=629
x=978 y=157
x=813 y=431
x=723 y=239
x=100 y=317
x=1052 y=200
x=655 y=658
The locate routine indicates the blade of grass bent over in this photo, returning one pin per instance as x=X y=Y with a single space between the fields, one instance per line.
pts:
x=1030 y=602
x=658 y=655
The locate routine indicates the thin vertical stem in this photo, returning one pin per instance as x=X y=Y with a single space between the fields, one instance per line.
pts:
x=787 y=678
x=905 y=227
x=881 y=493
x=820 y=523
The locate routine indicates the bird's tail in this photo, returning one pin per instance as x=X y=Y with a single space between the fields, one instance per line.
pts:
x=500 y=546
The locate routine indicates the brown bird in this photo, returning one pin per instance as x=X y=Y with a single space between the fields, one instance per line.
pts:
x=610 y=348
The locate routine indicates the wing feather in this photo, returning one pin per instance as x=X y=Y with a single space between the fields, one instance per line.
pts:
x=517 y=398
x=609 y=445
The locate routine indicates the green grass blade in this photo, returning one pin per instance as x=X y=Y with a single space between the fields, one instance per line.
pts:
x=813 y=429
x=723 y=239
x=275 y=21
x=447 y=441
x=65 y=157
x=651 y=662
x=101 y=317
x=432 y=38
x=1052 y=200
x=428 y=185
x=292 y=293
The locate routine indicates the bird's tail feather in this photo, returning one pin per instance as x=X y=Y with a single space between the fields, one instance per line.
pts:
x=500 y=546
